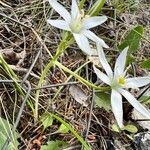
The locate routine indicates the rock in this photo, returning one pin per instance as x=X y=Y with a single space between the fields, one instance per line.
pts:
x=142 y=141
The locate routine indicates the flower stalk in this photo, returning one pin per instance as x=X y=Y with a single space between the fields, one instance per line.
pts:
x=61 y=48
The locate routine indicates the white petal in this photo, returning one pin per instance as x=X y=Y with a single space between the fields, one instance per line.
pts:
x=74 y=9
x=94 y=38
x=101 y=75
x=83 y=43
x=120 y=63
x=103 y=61
x=94 y=21
x=116 y=104
x=136 y=104
x=137 y=82
x=60 y=9
x=61 y=24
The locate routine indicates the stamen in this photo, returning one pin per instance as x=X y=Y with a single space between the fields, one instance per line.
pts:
x=76 y=25
x=121 y=80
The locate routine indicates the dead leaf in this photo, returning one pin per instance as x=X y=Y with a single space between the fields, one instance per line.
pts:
x=37 y=142
x=12 y=57
x=78 y=95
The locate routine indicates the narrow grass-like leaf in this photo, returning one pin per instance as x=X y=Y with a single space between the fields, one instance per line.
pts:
x=5 y=129
x=82 y=3
x=14 y=77
x=86 y=146
x=96 y=8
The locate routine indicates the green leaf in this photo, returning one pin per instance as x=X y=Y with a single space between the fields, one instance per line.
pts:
x=47 y=120
x=145 y=64
x=130 y=59
x=96 y=8
x=132 y=39
x=131 y=128
x=53 y=145
x=63 y=129
x=116 y=128
x=5 y=130
x=102 y=100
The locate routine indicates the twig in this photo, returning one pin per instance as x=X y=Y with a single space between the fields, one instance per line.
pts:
x=31 y=67
x=147 y=88
x=54 y=85
x=90 y=115
x=141 y=119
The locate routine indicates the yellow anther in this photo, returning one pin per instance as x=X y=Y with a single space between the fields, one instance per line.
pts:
x=121 y=80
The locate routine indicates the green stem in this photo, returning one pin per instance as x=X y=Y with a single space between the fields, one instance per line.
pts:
x=81 y=79
x=70 y=76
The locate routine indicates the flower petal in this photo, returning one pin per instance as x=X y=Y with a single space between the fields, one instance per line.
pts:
x=137 y=82
x=94 y=21
x=60 y=10
x=120 y=63
x=61 y=24
x=136 y=104
x=116 y=104
x=94 y=38
x=83 y=43
x=74 y=9
x=103 y=61
x=101 y=75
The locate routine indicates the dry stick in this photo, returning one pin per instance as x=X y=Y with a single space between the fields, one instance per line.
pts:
x=31 y=67
x=140 y=95
x=147 y=88
x=8 y=140
x=54 y=85
x=9 y=81
x=90 y=116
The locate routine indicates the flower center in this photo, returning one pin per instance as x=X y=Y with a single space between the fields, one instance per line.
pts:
x=118 y=82
x=77 y=23
x=121 y=80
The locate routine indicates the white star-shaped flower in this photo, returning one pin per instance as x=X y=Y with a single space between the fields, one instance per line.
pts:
x=78 y=24
x=118 y=82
